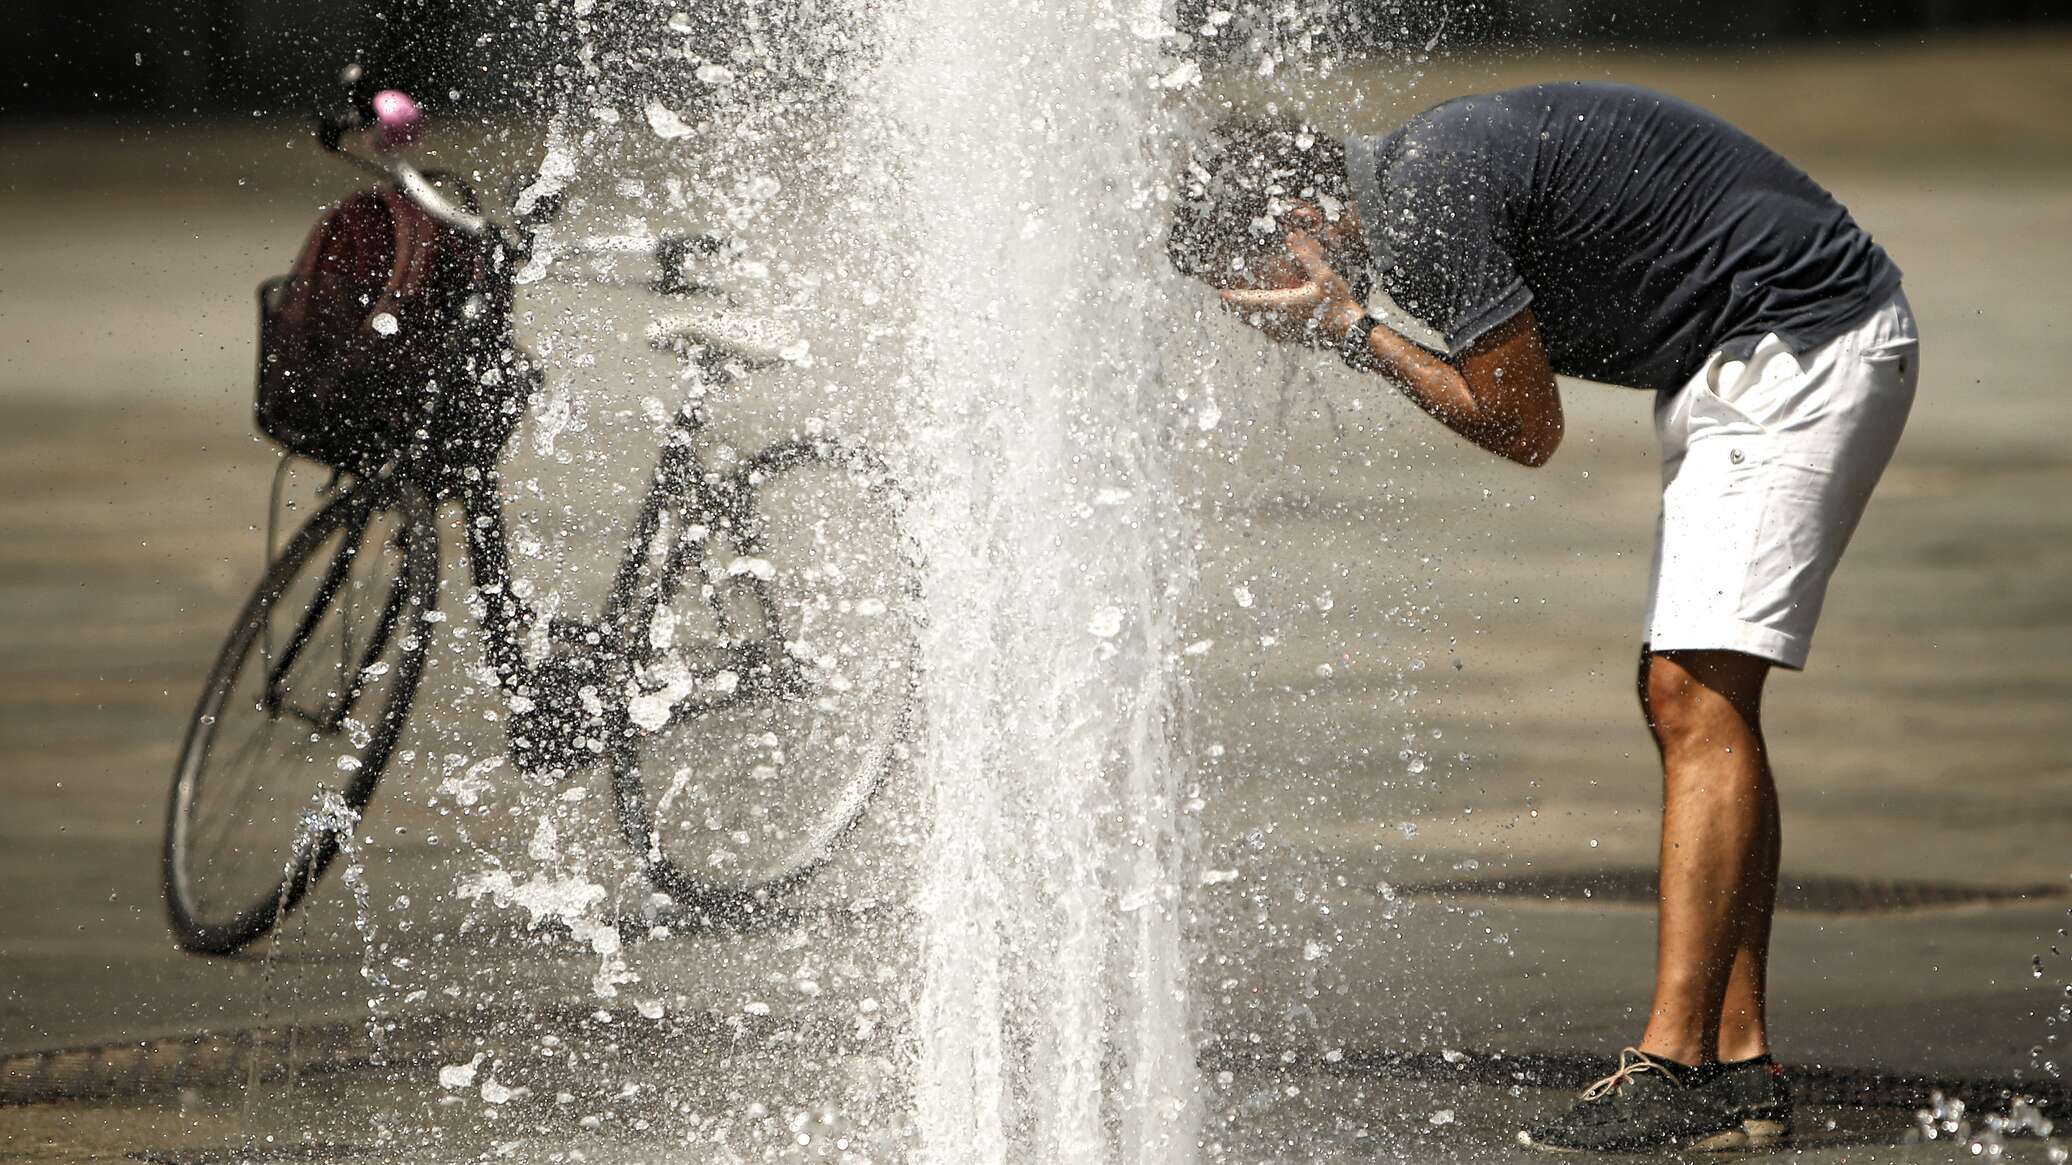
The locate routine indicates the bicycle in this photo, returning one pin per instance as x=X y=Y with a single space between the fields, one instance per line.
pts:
x=748 y=702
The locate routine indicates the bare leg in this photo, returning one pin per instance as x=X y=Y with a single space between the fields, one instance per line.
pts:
x=1743 y=1032
x=1718 y=849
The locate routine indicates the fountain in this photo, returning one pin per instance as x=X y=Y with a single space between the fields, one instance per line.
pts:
x=969 y=237
x=1047 y=374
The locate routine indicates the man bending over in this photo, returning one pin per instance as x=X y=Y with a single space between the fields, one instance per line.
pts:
x=1614 y=234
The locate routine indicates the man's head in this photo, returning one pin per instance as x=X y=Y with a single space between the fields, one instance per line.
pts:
x=1249 y=182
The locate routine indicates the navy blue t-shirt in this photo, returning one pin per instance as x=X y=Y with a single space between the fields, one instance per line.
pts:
x=1644 y=232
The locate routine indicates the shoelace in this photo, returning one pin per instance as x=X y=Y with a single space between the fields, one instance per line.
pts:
x=1632 y=1062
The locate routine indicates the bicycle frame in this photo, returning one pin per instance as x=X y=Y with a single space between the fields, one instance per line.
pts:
x=604 y=656
x=610 y=651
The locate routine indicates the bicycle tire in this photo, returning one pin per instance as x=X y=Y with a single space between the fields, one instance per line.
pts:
x=206 y=927
x=728 y=895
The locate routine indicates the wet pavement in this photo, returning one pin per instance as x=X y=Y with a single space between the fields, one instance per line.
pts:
x=1369 y=988
x=1270 y=1115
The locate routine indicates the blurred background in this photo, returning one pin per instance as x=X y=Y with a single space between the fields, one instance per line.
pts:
x=244 y=56
x=1419 y=708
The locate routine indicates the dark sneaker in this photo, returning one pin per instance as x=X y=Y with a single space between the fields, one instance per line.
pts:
x=1647 y=1104
x=1761 y=1095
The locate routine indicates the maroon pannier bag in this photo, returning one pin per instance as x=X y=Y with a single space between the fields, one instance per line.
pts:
x=390 y=337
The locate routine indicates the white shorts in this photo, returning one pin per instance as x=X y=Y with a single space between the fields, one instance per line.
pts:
x=1767 y=464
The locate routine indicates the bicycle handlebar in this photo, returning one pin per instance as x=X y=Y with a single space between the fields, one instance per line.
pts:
x=419 y=190
x=400 y=120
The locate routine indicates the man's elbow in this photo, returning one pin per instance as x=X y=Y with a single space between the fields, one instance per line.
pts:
x=1534 y=449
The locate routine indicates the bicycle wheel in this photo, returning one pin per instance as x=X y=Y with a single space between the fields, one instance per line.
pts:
x=781 y=672
x=299 y=715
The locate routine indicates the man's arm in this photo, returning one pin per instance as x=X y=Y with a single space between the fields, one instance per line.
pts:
x=1499 y=393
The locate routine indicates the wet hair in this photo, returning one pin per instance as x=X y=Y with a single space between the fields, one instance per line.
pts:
x=1237 y=180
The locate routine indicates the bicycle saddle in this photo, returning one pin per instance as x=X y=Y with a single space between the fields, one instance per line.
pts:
x=752 y=341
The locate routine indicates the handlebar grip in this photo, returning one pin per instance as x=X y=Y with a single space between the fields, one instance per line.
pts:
x=400 y=118
x=397 y=115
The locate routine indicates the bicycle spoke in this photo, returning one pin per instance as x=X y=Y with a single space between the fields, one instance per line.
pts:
x=215 y=828
x=216 y=820
x=246 y=751
x=384 y=630
x=228 y=810
x=347 y=601
x=238 y=763
x=336 y=572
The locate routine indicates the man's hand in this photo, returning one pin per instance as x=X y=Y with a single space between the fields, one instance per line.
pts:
x=1317 y=311
x=1499 y=393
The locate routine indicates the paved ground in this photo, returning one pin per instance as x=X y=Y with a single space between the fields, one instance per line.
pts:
x=1928 y=742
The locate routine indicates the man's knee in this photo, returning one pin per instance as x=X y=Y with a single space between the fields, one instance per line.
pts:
x=1692 y=698
x=1675 y=704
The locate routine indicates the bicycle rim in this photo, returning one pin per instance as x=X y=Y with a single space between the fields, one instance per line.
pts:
x=299 y=715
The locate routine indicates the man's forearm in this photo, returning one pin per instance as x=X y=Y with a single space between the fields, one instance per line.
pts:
x=1499 y=394
x=1438 y=388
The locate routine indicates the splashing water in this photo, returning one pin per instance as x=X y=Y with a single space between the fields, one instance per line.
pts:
x=1051 y=1013
x=1044 y=378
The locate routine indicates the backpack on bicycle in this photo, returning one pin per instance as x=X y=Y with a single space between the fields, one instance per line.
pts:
x=390 y=337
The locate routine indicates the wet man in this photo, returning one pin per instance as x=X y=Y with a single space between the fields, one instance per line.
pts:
x=1610 y=233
